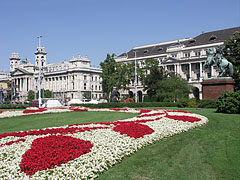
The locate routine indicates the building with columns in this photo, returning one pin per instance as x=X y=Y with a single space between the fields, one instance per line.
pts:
x=183 y=56
x=67 y=79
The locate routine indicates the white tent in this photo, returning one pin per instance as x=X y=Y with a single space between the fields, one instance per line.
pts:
x=75 y=101
x=53 y=103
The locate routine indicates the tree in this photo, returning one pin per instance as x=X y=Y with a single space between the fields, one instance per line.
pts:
x=108 y=74
x=30 y=95
x=47 y=94
x=115 y=75
x=172 y=89
x=232 y=53
x=150 y=75
x=87 y=95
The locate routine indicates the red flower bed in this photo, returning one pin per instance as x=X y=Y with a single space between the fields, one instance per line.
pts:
x=144 y=111
x=68 y=130
x=47 y=152
x=133 y=129
x=115 y=109
x=11 y=142
x=34 y=110
x=80 y=110
x=1 y=112
x=183 y=118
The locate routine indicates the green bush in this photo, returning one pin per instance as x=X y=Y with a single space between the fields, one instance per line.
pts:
x=229 y=102
x=129 y=105
x=182 y=103
x=207 y=103
x=13 y=106
x=192 y=103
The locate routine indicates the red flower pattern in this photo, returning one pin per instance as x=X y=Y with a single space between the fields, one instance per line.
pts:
x=11 y=142
x=133 y=129
x=34 y=110
x=47 y=152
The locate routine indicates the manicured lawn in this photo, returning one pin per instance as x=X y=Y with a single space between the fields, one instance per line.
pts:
x=208 y=152
x=29 y=122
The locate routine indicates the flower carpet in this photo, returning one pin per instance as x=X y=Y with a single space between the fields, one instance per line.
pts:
x=83 y=151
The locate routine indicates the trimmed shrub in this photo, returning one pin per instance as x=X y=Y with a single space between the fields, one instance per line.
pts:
x=13 y=106
x=207 y=103
x=229 y=102
x=130 y=105
x=182 y=103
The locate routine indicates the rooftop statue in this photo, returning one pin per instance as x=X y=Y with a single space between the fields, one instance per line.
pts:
x=24 y=61
x=215 y=58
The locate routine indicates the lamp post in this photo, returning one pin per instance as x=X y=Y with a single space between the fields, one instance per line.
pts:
x=135 y=82
x=39 y=76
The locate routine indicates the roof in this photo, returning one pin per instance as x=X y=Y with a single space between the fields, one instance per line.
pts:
x=161 y=48
x=214 y=36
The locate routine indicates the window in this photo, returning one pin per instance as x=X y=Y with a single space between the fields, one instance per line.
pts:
x=209 y=75
x=197 y=66
x=85 y=77
x=42 y=57
x=198 y=53
x=192 y=41
x=96 y=78
x=99 y=88
x=186 y=55
x=85 y=86
x=213 y=37
x=145 y=51
x=198 y=76
x=160 y=49
x=96 y=87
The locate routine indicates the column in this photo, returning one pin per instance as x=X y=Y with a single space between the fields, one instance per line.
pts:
x=190 y=71
x=200 y=71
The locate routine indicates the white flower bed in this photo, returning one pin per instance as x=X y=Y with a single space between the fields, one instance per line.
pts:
x=109 y=147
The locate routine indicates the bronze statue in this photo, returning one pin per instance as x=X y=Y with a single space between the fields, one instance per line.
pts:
x=215 y=58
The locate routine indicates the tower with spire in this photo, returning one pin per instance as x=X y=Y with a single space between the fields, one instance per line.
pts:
x=14 y=61
x=40 y=54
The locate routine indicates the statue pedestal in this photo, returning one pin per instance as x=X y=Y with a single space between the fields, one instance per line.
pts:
x=214 y=87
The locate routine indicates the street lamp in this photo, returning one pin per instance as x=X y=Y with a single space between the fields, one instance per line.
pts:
x=39 y=75
x=135 y=82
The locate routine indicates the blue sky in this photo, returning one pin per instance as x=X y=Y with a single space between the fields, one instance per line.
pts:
x=98 y=27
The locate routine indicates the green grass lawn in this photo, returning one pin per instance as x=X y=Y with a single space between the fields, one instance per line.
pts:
x=208 y=152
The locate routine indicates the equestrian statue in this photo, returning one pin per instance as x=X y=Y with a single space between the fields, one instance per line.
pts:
x=215 y=58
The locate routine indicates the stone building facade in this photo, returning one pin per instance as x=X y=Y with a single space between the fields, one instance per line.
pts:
x=67 y=79
x=183 y=56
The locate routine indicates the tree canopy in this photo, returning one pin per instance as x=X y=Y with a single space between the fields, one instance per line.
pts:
x=232 y=53
x=162 y=85
x=116 y=76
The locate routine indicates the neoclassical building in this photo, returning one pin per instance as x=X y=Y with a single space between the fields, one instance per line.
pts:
x=67 y=79
x=183 y=56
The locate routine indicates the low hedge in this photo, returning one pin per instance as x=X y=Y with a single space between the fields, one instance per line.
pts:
x=14 y=106
x=207 y=103
x=130 y=105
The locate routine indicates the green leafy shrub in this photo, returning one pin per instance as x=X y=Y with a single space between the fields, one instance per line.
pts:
x=182 y=103
x=207 y=103
x=130 y=105
x=229 y=102
x=14 y=106
x=192 y=103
